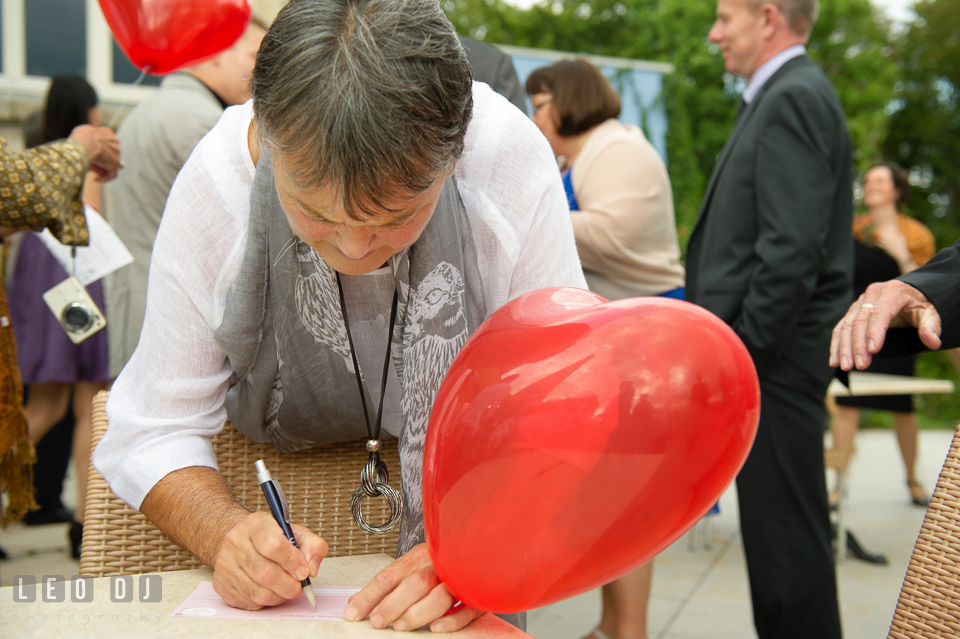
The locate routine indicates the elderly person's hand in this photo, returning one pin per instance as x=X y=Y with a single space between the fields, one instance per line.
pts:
x=409 y=595
x=862 y=331
x=257 y=565
x=103 y=149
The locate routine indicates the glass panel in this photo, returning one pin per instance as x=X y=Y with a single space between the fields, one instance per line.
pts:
x=124 y=71
x=56 y=37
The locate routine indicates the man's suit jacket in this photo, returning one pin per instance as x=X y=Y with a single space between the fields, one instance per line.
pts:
x=493 y=66
x=772 y=252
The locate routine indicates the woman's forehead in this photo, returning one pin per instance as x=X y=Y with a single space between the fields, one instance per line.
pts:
x=325 y=203
x=390 y=199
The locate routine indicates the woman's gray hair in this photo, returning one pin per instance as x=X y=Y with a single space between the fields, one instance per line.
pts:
x=370 y=97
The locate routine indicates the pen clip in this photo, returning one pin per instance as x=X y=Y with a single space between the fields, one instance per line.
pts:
x=283 y=500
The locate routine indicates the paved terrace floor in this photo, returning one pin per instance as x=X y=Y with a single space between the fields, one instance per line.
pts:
x=699 y=594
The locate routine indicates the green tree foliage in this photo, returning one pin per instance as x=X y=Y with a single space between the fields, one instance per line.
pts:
x=853 y=46
x=850 y=42
x=925 y=127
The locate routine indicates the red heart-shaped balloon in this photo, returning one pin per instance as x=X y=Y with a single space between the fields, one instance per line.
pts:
x=162 y=36
x=574 y=438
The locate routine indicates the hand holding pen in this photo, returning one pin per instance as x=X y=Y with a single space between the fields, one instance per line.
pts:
x=278 y=507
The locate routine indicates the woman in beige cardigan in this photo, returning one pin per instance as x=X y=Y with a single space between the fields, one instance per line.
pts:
x=616 y=182
x=622 y=210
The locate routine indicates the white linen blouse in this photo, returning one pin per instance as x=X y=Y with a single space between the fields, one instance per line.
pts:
x=168 y=402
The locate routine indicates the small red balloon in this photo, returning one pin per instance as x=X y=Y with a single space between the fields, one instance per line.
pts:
x=162 y=36
x=573 y=439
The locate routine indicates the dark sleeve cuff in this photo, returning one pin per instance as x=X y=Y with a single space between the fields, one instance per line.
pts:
x=901 y=342
x=939 y=280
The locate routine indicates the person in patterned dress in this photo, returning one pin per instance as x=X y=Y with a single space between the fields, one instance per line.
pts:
x=40 y=188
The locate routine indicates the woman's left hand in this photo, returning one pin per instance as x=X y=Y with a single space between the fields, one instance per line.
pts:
x=408 y=595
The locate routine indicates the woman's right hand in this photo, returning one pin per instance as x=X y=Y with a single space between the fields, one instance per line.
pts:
x=894 y=244
x=257 y=565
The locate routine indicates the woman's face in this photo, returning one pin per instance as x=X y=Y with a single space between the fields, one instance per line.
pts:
x=350 y=246
x=545 y=117
x=878 y=188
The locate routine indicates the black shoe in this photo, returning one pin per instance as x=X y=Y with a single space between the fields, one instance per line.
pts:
x=76 y=538
x=43 y=516
x=921 y=500
x=861 y=553
x=857 y=551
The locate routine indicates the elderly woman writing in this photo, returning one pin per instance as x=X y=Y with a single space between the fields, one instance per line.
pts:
x=369 y=185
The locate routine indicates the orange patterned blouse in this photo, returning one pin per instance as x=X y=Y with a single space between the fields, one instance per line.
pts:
x=920 y=240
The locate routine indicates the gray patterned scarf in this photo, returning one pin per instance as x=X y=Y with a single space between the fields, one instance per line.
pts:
x=293 y=379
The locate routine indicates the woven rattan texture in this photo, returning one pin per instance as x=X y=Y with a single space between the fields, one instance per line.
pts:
x=317 y=483
x=929 y=604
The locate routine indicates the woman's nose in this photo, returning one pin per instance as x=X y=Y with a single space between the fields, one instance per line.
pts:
x=354 y=241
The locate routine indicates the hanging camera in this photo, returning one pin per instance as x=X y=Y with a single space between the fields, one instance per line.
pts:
x=75 y=309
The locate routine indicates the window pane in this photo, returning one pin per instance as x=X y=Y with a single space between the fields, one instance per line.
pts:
x=56 y=37
x=124 y=71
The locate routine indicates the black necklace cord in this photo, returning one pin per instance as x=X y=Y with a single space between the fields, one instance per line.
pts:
x=375 y=477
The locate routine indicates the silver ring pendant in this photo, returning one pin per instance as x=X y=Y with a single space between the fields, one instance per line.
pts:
x=394 y=500
x=374 y=473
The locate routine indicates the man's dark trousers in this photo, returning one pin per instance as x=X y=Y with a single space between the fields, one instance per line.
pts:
x=784 y=512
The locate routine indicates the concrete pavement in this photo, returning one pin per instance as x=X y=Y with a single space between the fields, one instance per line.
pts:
x=704 y=594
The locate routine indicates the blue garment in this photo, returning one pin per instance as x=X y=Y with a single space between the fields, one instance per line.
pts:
x=568 y=187
x=677 y=293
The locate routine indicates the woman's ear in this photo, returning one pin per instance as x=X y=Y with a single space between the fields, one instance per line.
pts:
x=252 y=143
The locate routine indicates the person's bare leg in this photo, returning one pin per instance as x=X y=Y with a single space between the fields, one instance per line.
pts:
x=954 y=354
x=46 y=406
x=83 y=394
x=907 y=427
x=625 y=604
x=843 y=430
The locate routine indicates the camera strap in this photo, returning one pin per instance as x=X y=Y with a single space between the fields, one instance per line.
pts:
x=73 y=254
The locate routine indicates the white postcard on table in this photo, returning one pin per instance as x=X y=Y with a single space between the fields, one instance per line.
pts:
x=204 y=603
x=105 y=254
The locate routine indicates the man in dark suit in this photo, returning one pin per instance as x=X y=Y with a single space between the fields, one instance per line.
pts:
x=926 y=299
x=493 y=66
x=772 y=255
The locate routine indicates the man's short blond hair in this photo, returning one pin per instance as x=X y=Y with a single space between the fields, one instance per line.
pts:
x=801 y=15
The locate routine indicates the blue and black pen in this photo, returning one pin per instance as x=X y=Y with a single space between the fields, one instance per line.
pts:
x=278 y=506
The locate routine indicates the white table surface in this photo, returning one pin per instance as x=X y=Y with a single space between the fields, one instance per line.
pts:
x=878 y=384
x=103 y=618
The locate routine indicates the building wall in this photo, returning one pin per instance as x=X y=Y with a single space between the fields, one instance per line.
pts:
x=44 y=37
x=39 y=38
